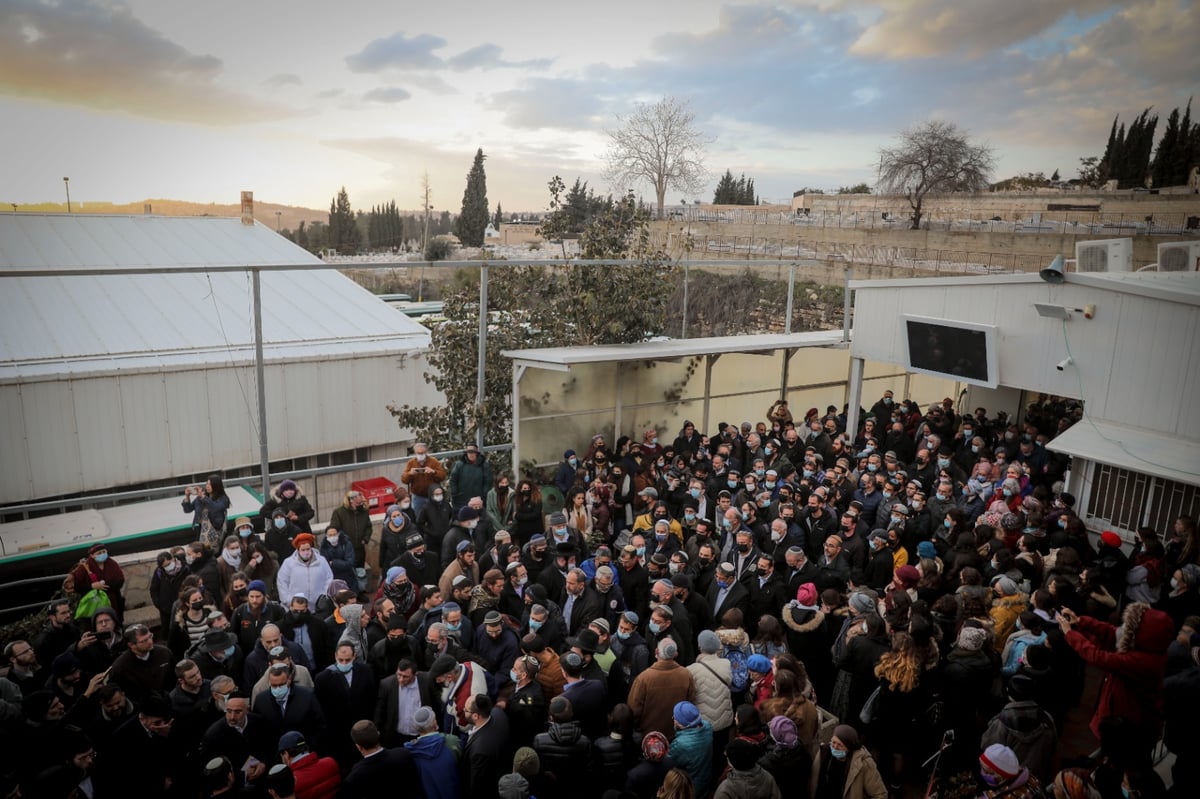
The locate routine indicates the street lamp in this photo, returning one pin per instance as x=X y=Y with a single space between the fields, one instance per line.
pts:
x=67 y=186
x=14 y=205
x=278 y=214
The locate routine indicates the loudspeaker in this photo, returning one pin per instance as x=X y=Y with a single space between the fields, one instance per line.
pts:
x=1054 y=272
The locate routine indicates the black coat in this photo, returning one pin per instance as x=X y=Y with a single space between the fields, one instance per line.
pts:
x=302 y=713
x=343 y=704
x=563 y=750
x=737 y=597
x=526 y=711
x=484 y=756
x=257 y=740
x=589 y=706
x=387 y=706
x=381 y=774
x=587 y=608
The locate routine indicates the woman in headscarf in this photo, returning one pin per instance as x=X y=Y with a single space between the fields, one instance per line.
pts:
x=845 y=770
x=355 y=631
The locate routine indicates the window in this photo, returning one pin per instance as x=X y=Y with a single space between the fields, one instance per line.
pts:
x=1122 y=499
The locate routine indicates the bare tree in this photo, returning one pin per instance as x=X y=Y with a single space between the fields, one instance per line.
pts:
x=661 y=145
x=934 y=157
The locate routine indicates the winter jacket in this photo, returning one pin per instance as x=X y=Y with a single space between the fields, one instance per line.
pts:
x=391 y=543
x=310 y=578
x=1027 y=730
x=966 y=685
x=654 y=693
x=1005 y=612
x=298 y=504
x=862 y=776
x=316 y=777
x=354 y=524
x=434 y=522
x=1133 y=690
x=563 y=750
x=421 y=483
x=692 y=751
x=712 y=674
x=1016 y=645
x=340 y=559
x=437 y=764
x=469 y=480
x=753 y=784
x=789 y=767
x=612 y=758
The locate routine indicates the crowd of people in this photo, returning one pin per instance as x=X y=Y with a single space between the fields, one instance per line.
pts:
x=777 y=609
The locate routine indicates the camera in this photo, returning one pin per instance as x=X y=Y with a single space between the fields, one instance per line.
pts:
x=1064 y=363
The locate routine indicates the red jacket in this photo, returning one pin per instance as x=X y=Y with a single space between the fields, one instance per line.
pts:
x=316 y=777
x=1133 y=680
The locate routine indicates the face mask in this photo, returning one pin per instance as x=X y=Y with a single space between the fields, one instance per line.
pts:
x=332 y=539
x=279 y=691
x=840 y=754
x=743 y=548
x=654 y=627
x=624 y=636
x=560 y=532
x=674 y=568
x=872 y=467
x=974 y=450
x=306 y=556
x=695 y=492
x=689 y=516
x=990 y=779
x=345 y=668
x=454 y=627
x=229 y=652
x=299 y=615
x=280 y=523
x=573 y=461
x=171 y=566
x=245 y=532
x=535 y=625
x=731 y=483
x=405 y=504
x=101 y=557
x=512 y=675
x=705 y=561
x=864 y=626
x=776 y=537
x=197 y=605
x=1174 y=583
x=438 y=497
x=770 y=484
x=947 y=524
x=727 y=524
x=641 y=551
x=1062 y=523
x=421 y=458
x=745 y=515
x=1008 y=492
x=943 y=462
x=808 y=472
x=660 y=537
x=897 y=519
x=395 y=520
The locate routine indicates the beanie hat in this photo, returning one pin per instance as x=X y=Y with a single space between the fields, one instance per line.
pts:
x=806 y=595
x=303 y=538
x=257 y=585
x=758 y=663
x=861 y=603
x=926 y=549
x=512 y=786
x=1006 y=586
x=394 y=572
x=1110 y=539
x=847 y=735
x=686 y=714
x=783 y=732
x=971 y=639
x=742 y=754
x=526 y=762
x=908 y=576
x=65 y=664
x=558 y=518
x=1000 y=759
x=414 y=540
x=287 y=485
x=467 y=514
x=1067 y=499
x=654 y=747
x=709 y=642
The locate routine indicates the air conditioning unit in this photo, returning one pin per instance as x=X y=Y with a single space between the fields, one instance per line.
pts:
x=1106 y=255
x=1179 y=256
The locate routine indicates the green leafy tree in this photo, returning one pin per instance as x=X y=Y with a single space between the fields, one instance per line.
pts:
x=1089 y=172
x=343 y=234
x=934 y=157
x=473 y=220
x=541 y=306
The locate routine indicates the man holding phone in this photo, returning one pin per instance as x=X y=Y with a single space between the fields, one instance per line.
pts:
x=98 y=650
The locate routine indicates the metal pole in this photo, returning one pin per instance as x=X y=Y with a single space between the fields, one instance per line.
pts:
x=262 y=385
x=480 y=393
x=517 y=371
x=846 y=306
x=67 y=186
x=787 y=323
x=683 y=331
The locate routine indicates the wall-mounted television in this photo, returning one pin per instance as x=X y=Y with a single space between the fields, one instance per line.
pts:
x=962 y=351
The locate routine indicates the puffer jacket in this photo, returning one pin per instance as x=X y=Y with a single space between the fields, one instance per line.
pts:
x=712 y=674
x=1005 y=612
x=1027 y=730
x=297 y=577
x=753 y=784
x=563 y=750
x=692 y=751
x=790 y=767
x=612 y=758
x=316 y=777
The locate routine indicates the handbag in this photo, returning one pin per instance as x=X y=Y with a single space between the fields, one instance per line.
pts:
x=870 y=708
x=90 y=602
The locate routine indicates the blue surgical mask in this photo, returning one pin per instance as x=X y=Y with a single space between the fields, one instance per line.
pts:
x=974 y=450
x=280 y=523
x=573 y=461
x=1062 y=522
x=947 y=524
x=1008 y=492
x=229 y=651
x=872 y=467
x=897 y=519
x=809 y=472
x=454 y=627
x=744 y=515
x=695 y=492
x=641 y=552
x=689 y=515
x=767 y=450
x=512 y=675
x=728 y=525
x=279 y=691
x=535 y=625
x=624 y=636
x=654 y=626
x=943 y=462
x=840 y=754
x=771 y=484
x=731 y=483
x=101 y=557
x=345 y=667
x=246 y=532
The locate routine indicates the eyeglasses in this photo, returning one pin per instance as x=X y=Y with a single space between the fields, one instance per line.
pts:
x=22 y=653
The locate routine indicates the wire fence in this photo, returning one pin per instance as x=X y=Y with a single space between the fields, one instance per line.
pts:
x=1058 y=222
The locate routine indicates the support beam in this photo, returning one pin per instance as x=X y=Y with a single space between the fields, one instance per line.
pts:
x=617 y=404
x=846 y=305
x=787 y=322
x=854 y=396
x=709 y=361
x=518 y=371
x=259 y=376
x=783 y=377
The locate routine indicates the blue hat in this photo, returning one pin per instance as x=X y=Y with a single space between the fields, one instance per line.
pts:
x=257 y=585
x=394 y=572
x=568 y=453
x=687 y=714
x=926 y=549
x=759 y=663
x=292 y=740
x=467 y=513
x=393 y=509
x=464 y=545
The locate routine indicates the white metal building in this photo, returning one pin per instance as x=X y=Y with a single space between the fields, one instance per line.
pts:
x=1135 y=363
x=111 y=380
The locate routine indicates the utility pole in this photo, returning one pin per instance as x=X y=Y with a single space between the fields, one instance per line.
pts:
x=67 y=186
x=278 y=214
x=424 y=239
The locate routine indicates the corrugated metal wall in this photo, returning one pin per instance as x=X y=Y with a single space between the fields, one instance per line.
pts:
x=72 y=436
x=1137 y=362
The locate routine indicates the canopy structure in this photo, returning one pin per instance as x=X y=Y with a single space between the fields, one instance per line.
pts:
x=622 y=356
x=1144 y=451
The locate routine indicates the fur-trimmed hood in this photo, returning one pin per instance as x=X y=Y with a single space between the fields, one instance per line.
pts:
x=802 y=620
x=1145 y=630
x=733 y=637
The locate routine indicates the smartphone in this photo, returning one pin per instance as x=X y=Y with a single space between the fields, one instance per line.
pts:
x=104 y=636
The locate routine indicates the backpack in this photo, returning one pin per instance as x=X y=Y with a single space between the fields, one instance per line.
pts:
x=737 y=666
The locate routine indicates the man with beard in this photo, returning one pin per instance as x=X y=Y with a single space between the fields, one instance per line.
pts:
x=394 y=647
x=611 y=597
x=635 y=583
x=418 y=564
x=512 y=595
x=307 y=632
x=485 y=597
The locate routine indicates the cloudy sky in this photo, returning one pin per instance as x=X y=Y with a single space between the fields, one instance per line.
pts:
x=197 y=101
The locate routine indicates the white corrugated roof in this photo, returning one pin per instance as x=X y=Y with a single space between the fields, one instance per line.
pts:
x=1143 y=451
x=560 y=357
x=101 y=323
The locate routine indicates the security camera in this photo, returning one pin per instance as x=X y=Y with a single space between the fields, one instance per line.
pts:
x=1064 y=363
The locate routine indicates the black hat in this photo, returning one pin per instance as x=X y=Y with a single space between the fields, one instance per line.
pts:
x=442 y=665
x=565 y=548
x=413 y=540
x=216 y=641
x=587 y=641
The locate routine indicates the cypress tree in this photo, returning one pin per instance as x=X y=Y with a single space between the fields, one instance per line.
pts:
x=473 y=219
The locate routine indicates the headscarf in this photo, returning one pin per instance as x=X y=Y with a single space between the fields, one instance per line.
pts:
x=353 y=634
x=847 y=735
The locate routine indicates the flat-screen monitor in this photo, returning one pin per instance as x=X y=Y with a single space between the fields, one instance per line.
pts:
x=962 y=351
